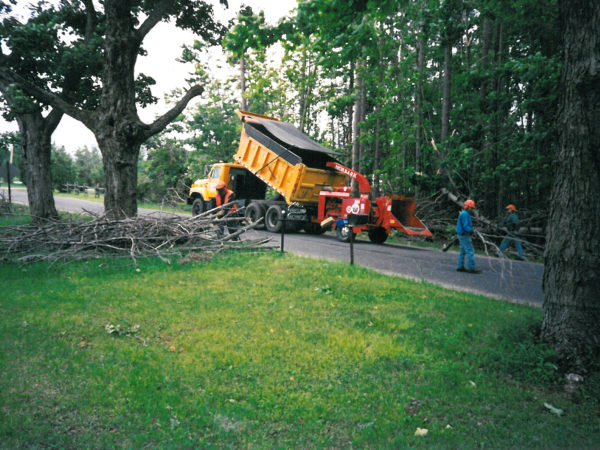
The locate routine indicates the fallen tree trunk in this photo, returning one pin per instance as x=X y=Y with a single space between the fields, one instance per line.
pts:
x=488 y=231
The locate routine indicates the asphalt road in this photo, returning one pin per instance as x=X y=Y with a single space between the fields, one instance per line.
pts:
x=501 y=278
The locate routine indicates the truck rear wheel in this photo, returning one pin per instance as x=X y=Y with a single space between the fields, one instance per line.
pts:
x=344 y=233
x=273 y=218
x=198 y=206
x=378 y=235
x=254 y=212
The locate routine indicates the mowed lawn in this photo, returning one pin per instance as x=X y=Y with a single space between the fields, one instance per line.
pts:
x=269 y=350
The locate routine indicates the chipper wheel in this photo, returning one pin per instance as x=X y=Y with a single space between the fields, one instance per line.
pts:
x=343 y=233
x=378 y=235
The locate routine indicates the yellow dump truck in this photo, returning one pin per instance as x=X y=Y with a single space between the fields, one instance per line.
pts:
x=238 y=179
x=311 y=186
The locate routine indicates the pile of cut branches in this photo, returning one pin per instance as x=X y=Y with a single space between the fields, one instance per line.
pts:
x=162 y=235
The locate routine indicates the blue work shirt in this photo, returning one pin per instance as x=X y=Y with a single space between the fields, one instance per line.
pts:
x=512 y=222
x=464 y=224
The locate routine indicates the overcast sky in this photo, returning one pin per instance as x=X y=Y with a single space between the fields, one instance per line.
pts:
x=163 y=44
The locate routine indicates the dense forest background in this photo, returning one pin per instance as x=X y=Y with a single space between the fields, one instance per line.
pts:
x=418 y=95
x=455 y=94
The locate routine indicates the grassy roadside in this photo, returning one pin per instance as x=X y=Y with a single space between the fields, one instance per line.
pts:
x=180 y=208
x=272 y=351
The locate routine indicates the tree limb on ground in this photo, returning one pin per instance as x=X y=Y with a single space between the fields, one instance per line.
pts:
x=491 y=231
x=162 y=235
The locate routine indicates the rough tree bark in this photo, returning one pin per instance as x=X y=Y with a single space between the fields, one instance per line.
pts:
x=419 y=99
x=355 y=127
x=36 y=132
x=446 y=92
x=244 y=103
x=571 y=281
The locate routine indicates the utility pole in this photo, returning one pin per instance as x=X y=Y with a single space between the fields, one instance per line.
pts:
x=8 y=165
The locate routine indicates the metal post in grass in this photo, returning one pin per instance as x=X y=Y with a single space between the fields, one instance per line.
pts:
x=283 y=220
x=351 y=246
x=355 y=220
x=8 y=180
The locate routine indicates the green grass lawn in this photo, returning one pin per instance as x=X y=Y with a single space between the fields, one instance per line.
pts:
x=270 y=350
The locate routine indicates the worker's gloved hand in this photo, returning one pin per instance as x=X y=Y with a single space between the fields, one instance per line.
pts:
x=221 y=213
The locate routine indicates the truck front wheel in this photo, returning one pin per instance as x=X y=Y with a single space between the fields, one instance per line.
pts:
x=198 y=206
x=344 y=233
x=378 y=235
x=273 y=218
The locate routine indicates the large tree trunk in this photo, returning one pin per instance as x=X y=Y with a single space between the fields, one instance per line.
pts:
x=419 y=100
x=571 y=280
x=349 y=136
x=120 y=176
x=500 y=116
x=36 y=132
x=446 y=92
x=355 y=128
x=117 y=127
x=243 y=82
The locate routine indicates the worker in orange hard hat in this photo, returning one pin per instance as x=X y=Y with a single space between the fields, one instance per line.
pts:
x=511 y=223
x=464 y=229
x=223 y=197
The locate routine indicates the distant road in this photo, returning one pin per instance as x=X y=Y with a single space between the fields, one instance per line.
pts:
x=503 y=279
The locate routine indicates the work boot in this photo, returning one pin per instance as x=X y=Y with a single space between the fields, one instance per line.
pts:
x=461 y=269
x=473 y=270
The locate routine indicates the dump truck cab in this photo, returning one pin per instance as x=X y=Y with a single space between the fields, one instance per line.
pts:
x=240 y=180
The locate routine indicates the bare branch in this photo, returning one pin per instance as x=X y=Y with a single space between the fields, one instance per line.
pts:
x=157 y=15
x=160 y=235
x=159 y=124
x=47 y=98
x=91 y=18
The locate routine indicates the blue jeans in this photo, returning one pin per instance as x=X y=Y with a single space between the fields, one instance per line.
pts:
x=466 y=248
x=505 y=243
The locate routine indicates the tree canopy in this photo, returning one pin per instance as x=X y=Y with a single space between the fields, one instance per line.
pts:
x=110 y=111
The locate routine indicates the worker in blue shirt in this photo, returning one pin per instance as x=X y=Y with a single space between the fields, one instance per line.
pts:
x=511 y=222
x=464 y=229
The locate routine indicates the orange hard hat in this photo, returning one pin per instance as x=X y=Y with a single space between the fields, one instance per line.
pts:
x=221 y=185
x=511 y=207
x=469 y=204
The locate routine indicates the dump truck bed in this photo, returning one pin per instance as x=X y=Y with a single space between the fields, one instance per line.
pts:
x=286 y=159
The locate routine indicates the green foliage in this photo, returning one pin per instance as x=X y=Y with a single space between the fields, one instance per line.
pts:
x=62 y=168
x=12 y=140
x=317 y=354
x=214 y=130
x=162 y=171
x=503 y=91
x=88 y=165
x=249 y=32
